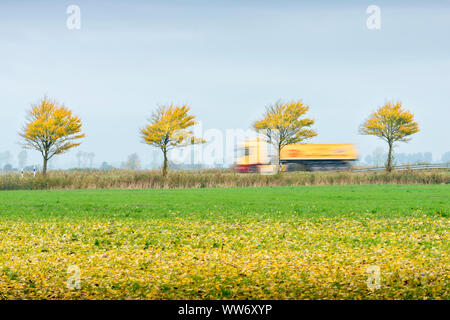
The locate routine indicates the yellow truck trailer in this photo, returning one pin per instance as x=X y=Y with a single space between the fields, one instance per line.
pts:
x=293 y=157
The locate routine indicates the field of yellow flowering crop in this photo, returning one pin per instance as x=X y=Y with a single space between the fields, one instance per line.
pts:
x=308 y=242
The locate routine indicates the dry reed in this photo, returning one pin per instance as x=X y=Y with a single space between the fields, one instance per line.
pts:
x=125 y=179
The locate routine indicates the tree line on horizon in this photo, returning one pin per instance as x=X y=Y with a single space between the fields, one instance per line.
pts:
x=52 y=129
x=376 y=158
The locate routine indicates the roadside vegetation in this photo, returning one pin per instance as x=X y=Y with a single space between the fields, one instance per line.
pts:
x=130 y=179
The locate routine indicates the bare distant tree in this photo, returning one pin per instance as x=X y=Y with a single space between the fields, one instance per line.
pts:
x=5 y=158
x=91 y=157
x=22 y=159
x=378 y=156
x=79 y=156
x=132 y=162
x=446 y=157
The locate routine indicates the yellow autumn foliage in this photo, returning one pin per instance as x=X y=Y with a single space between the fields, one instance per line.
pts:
x=184 y=259
x=391 y=123
x=282 y=124
x=51 y=129
x=169 y=129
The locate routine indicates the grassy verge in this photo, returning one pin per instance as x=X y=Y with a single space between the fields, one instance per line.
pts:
x=123 y=179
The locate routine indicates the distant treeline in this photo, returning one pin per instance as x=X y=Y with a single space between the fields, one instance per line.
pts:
x=85 y=161
x=377 y=158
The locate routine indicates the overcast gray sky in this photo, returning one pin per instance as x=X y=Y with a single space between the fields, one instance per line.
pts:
x=227 y=60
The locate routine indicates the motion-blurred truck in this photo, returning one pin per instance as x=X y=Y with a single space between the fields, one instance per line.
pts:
x=254 y=157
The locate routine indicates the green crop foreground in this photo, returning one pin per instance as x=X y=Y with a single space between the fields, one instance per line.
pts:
x=307 y=242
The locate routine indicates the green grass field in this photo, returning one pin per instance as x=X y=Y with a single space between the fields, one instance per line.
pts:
x=308 y=242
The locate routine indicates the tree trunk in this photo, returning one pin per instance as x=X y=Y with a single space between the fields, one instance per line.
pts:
x=44 y=167
x=279 y=157
x=165 y=164
x=389 y=160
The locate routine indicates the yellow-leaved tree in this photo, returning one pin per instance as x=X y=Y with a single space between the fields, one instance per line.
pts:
x=282 y=124
x=391 y=123
x=168 y=129
x=51 y=129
